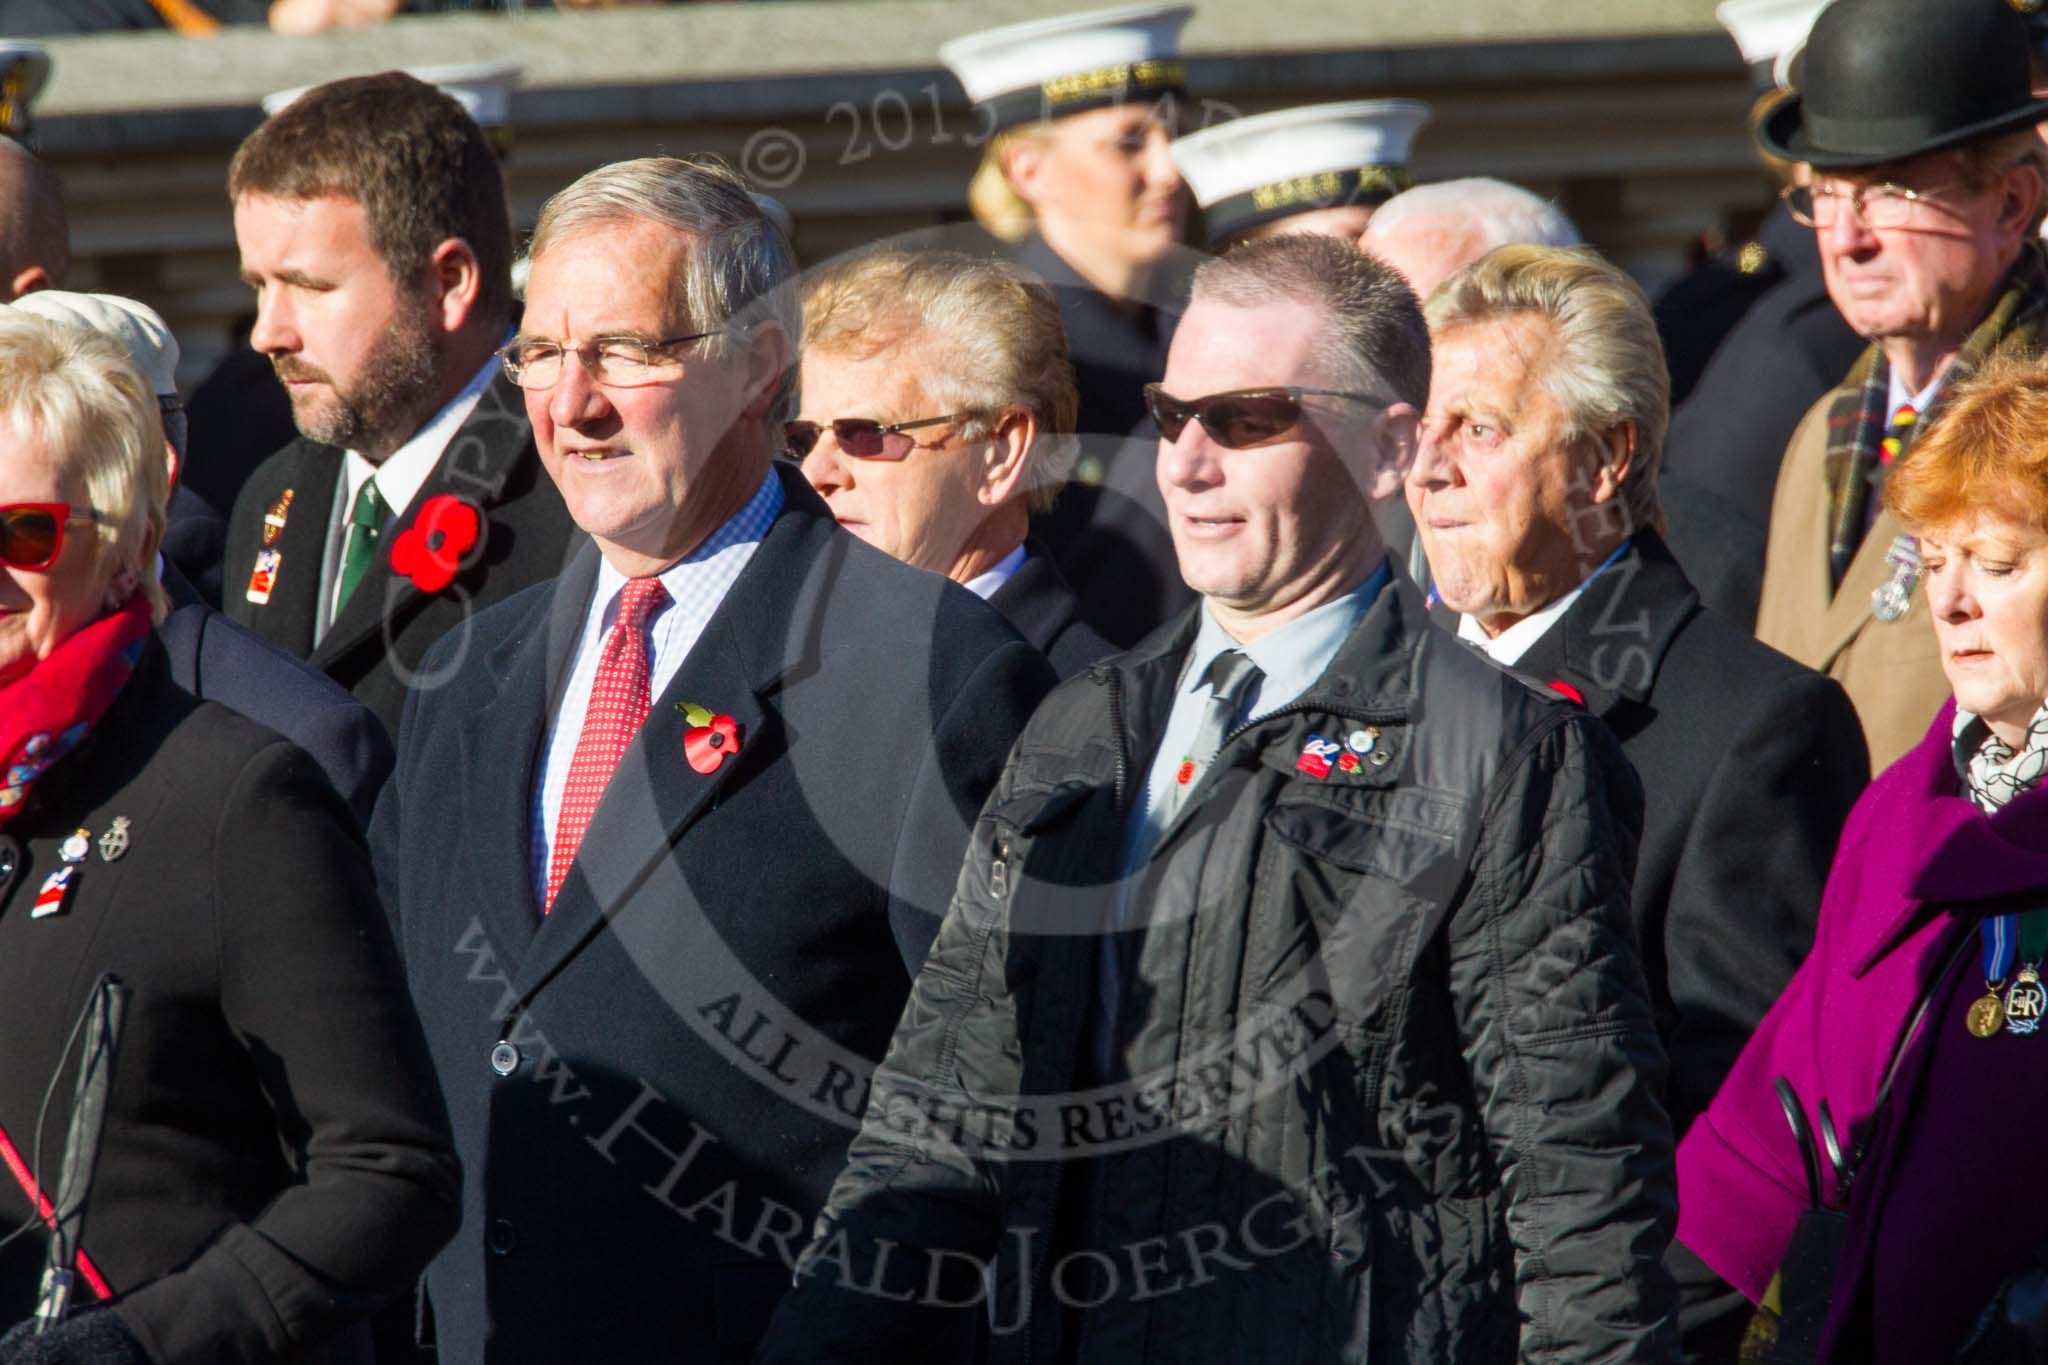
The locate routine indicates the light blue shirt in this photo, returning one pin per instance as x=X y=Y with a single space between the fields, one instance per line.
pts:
x=1291 y=658
x=696 y=585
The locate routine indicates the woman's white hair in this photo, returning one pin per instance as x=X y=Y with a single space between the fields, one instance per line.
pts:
x=77 y=392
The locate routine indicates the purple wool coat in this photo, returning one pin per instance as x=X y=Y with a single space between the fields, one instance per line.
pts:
x=1915 y=869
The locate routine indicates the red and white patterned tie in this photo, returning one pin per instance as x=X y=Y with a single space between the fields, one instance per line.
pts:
x=618 y=705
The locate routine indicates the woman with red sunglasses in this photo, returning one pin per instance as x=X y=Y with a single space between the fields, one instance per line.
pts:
x=193 y=964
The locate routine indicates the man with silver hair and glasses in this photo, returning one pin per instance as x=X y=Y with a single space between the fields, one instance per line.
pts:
x=713 y=784
x=1287 y=1008
x=937 y=413
x=1535 y=492
x=1432 y=230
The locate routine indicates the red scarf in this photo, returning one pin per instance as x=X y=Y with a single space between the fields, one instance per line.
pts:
x=45 y=713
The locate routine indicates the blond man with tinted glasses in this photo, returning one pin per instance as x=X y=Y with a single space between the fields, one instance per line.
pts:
x=1297 y=838
x=936 y=412
x=1925 y=199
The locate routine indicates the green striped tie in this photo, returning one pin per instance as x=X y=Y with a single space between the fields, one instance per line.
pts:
x=364 y=521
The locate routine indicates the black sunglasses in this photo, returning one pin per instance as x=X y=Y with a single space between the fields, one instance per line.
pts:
x=1237 y=418
x=862 y=437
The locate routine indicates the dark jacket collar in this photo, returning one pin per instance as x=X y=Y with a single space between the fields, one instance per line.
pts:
x=1373 y=671
x=481 y=456
x=1610 y=644
x=1037 y=599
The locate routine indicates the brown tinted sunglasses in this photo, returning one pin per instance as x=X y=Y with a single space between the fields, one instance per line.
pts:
x=1237 y=418
x=862 y=437
x=32 y=533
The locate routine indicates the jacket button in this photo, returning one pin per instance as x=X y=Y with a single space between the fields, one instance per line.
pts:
x=501 y=1237
x=504 y=1059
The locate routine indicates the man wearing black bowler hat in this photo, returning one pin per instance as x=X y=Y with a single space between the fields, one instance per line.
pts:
x=1926 y=198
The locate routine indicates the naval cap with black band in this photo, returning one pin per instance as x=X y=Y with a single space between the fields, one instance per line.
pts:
x=1256 y=170
x=1049 y=68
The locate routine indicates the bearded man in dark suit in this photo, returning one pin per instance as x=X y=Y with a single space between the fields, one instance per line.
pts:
x=1535 y=492
x=370 y=216
x=713 y=788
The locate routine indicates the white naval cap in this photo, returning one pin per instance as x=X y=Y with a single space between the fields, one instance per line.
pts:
x=24 y=71
x=139 y=329
x=1253 y=170
x=1022 y=73
x=483 y=89
x=1769 y=34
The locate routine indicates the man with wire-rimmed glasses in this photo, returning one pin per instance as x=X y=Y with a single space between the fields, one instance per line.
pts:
x=1288 y=1007
x=1925 y=198
x=668 y=843
x=937 y=416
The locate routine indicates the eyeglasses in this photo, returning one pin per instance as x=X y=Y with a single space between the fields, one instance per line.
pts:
x=32 y=533
x=1877 y=206
x=1237 y=418
x=863 y=438
x=621 y=362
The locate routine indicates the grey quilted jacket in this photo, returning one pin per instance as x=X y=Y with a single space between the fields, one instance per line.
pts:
x=1385 y=1083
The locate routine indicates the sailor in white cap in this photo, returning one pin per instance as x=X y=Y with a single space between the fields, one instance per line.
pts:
x=1321 y=168
x=1078 y=176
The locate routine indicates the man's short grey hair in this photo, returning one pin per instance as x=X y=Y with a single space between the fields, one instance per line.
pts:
x=1494 y=212
x=1373 y=340
x=1607 y=363
x=741 y=272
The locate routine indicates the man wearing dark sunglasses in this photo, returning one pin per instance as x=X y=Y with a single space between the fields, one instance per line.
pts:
x=1291 y=955
x=888 y=338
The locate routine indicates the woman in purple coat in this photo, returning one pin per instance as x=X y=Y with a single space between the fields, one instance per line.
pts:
x=1914 y=1029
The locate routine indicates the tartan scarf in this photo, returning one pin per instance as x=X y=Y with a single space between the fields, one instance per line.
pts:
x=1856 y=413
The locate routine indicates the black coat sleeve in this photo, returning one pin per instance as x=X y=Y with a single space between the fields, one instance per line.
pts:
x=1747 y=887
x=969 y=744
x=1555 y=1023
x=310 y=985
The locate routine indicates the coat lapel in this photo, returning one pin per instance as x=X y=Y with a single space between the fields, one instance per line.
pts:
x=1611 y=642
x=532 y=663
x=479 y=459
x=1849 y=611
x=287 y=619
x=655 y=795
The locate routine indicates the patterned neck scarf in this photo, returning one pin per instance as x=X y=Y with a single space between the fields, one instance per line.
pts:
x=1992 y=771
x=48 y=710
x=1856 y=415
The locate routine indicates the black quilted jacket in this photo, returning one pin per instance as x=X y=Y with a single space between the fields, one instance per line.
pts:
x=1385 y=1083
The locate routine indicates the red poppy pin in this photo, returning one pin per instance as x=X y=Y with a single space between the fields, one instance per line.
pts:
x=1565 y=689
x=710 y=740
x=431 y=549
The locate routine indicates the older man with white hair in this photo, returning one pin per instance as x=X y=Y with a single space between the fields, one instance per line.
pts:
x=1431 y=231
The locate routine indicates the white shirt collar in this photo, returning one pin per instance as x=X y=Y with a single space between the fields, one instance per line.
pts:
x=1897 y=397
x=984 y=585
x=1508 y=647
x=399 y=477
